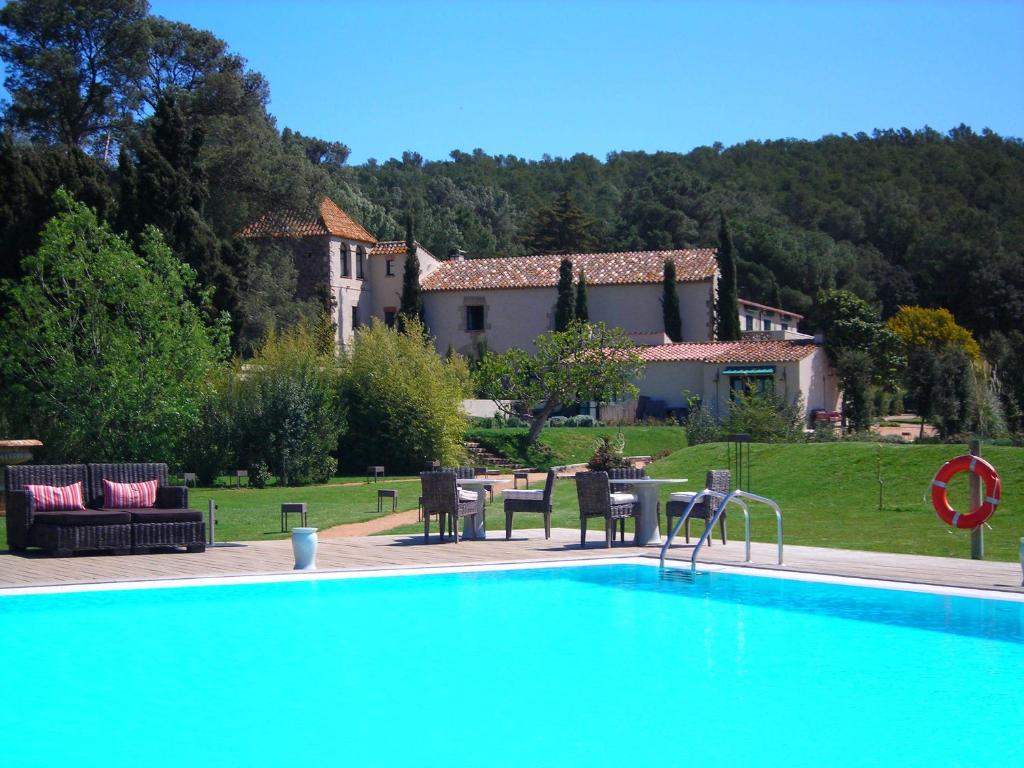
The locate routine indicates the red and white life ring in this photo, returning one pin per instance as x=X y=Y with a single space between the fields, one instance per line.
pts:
x=940 y=499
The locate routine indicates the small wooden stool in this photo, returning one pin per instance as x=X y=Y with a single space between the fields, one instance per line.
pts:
x=295 y=508
x=519 y=475
x=385 y=493
x=374 y=472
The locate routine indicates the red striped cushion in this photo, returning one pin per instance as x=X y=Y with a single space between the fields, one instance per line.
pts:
x=52 y=498
x=129 y=495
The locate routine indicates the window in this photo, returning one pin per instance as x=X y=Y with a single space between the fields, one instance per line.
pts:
x=767 y=324
x=389 y=267
x=750 y=322
x=360 y=253
x=756 y=385
x=389 y=317
x=355 y=318
x=785 y=326
x=345 y=269
x=475 y=317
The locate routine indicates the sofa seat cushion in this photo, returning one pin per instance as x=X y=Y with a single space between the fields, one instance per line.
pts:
x=623 y=498
x=84 y=517
x=524 y=495
x=155 y=515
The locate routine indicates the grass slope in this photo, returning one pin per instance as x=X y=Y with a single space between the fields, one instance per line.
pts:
x=829 y=497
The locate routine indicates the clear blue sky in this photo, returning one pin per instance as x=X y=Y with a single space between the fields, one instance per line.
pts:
x=530 y=78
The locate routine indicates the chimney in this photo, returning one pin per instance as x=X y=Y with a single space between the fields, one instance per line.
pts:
x=457 y=254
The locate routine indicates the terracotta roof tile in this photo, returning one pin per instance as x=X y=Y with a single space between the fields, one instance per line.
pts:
x=766 y=308
x=392 y=248
x=767 y=351
x=328 y=219
x=542 y=271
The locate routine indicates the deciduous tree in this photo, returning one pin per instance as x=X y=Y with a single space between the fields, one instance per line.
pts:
x=581 y=364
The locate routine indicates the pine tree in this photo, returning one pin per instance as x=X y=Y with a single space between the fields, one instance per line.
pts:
x=411 y=306
x=728 y=310
x=582 y=312
x=565 y=306
x=562 y=228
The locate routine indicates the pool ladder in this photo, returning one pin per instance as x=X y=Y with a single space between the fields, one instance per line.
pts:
x=738 y=498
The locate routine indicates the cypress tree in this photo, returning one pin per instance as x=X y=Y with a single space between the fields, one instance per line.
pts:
x=728 y=309
x=670 y=303
x=565 y=306
x=412 y=303
x=582 y=313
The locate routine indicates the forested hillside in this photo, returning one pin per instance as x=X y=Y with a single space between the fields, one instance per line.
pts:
x=177 y=135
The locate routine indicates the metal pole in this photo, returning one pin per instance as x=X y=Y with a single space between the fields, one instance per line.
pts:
x=212 y=524
x=977 y=534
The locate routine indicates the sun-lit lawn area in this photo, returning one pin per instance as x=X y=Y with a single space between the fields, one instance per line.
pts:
x=573 y=445
x=829 y=496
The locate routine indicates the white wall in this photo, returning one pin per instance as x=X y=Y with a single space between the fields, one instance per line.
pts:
x=514 y=317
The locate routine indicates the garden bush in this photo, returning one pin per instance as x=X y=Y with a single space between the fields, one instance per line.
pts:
x=404 y=401
x=608 y=453
x=583 y=420
x=558 y=421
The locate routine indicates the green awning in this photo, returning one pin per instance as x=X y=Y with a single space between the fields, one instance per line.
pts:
x=750 y=371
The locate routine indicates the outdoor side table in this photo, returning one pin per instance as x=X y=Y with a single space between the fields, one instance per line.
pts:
x=387 y=493
x=520 y=475
x=374 y=472
x=292 y=508
x=239 y=474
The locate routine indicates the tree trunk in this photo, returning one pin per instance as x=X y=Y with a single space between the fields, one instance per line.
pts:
x=539 y=420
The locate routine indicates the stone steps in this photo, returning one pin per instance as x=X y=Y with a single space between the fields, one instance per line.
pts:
x=480 y=456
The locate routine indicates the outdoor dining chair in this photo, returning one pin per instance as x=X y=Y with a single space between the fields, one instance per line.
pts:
x=716 y=480
x=537 y=501
x=596 y=500
x=441 y=498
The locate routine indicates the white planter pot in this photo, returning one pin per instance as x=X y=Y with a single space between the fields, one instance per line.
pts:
x=304 y=547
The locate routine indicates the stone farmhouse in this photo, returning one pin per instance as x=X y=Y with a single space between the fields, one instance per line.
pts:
x=500 y=303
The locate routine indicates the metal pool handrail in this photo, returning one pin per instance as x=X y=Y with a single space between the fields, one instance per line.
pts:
x=735 y=497
x=699 y=496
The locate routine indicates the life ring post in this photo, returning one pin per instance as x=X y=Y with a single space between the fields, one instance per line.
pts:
x=977 y=499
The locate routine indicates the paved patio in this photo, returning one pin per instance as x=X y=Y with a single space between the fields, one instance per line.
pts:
x=381 y=552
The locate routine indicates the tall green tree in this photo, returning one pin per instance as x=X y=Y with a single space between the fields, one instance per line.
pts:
x=102 y=356
x=583 y=363
x=562 y=228
x=728 y=309
x=71 y=66
x=956 y=393
x=565 y=306
x=670 y=302
x=411 y=304
x=582 y=311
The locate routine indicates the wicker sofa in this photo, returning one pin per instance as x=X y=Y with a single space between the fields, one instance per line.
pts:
x=169 y=523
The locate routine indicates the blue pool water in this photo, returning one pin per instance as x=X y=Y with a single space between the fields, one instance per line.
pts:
x=613 y=665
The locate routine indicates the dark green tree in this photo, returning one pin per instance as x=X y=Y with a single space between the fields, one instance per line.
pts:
x=411 y=304
x=562 y=228
x=670 y=302
x=565 y=306
x=728 y=311
x=956 y=393
x=71 y=65
x=582 y=312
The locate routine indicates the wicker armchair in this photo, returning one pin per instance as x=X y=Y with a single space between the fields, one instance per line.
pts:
x=60 y=532
x=469 y=473
x=530 y=501
x=441 y=498
x=594 y=494
x=716 y=480
x=168 y=523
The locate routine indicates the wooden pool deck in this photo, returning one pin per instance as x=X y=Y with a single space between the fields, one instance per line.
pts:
x=404 y=551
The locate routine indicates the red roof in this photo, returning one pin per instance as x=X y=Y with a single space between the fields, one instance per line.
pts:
x=542 y=271
x=328 y=219
x=759 y=351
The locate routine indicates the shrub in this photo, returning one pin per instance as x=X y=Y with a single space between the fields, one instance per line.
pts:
x=259 y=475
x=608 y=453
x=404 y=401
x=558 y=421
x=583 y=420
x=285 y=408
x=767 y=417
x=515 y=422
x=701 y=427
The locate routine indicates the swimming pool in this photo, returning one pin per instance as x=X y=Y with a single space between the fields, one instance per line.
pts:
x=588 y=665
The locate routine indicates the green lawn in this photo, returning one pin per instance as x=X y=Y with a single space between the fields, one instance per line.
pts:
x=829 y=497
x=573 y=445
